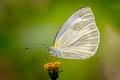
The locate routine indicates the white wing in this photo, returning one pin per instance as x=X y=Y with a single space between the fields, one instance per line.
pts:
x=79 y=36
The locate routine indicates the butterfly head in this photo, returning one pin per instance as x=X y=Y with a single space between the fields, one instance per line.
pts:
x=51 y=49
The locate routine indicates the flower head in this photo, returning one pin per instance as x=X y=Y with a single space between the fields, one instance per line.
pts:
x=52 y=66
x=53 y=69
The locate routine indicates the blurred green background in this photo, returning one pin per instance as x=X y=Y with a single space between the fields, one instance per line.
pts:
x=27 y=23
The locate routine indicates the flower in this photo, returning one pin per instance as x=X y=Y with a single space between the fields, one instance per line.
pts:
x=52 y=66
x=53 y=69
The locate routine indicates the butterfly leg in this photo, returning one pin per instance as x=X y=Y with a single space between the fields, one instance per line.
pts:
x=56 y=56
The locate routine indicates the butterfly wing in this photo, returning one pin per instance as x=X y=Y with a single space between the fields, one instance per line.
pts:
x=79 y=36
x=76 y=17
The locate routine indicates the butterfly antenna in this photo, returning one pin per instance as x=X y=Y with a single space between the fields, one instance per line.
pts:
x=41 y=46
x=26 y=48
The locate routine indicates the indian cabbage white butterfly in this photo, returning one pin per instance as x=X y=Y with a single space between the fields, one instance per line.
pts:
x=78 y=38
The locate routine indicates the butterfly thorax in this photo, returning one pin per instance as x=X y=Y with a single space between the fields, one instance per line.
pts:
x=54 y=51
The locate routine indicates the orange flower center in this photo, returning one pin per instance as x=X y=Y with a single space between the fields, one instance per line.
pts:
x=52 y=66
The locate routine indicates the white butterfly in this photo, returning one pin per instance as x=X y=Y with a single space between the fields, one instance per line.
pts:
x=78 y=38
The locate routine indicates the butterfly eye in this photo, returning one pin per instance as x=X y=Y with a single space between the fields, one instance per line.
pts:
x=50 y=50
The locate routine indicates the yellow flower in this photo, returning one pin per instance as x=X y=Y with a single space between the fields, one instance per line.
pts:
x=52 y=66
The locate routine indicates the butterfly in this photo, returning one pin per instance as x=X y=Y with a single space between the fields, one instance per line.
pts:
x=78 y=38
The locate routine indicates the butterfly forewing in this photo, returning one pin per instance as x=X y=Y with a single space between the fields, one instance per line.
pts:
x=79 y=36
